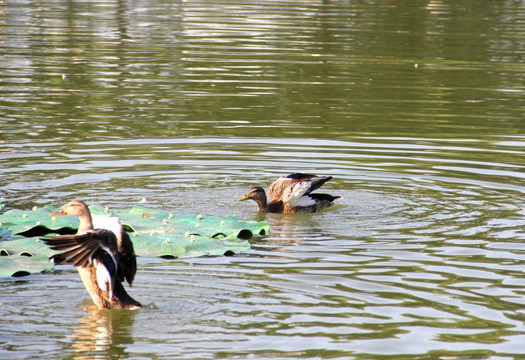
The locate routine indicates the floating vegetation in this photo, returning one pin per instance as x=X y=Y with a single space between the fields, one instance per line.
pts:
x=156 y=233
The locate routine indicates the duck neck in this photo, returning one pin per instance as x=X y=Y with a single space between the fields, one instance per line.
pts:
x=262 y=204
x=86 y=223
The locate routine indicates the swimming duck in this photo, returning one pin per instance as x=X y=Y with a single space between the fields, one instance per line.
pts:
x=104 y=258
x=292 y=194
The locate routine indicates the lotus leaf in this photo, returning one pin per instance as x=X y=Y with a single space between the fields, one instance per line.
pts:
x=24 y=265
x=38 y=222
x=153 y=232
x=141 y=219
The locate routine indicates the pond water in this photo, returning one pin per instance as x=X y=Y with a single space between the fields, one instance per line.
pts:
x=416 y=108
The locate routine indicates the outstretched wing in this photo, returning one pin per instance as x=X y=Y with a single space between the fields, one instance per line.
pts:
x=81 y=250
x=127 y=261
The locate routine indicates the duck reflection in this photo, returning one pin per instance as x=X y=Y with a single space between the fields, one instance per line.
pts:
x=285 y=229
x=104 y=333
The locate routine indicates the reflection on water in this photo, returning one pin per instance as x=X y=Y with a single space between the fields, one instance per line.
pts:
x=293 y=69
x=102 y=334
x=414 y=107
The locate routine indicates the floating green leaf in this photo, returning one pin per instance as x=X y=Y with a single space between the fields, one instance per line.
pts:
x=37 y=222
x=24 y=265
x=25 y=246
x=141 y=219
x=153 y=232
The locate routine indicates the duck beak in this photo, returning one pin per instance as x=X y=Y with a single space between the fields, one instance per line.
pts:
x=244 y=197
x=58 y=213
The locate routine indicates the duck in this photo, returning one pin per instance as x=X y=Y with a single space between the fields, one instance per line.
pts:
x=103 y=258
x=292 y=194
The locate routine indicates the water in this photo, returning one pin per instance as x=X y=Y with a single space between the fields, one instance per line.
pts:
x=414 y=107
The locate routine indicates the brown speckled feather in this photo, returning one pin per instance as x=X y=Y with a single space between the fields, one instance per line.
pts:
x=277 y=188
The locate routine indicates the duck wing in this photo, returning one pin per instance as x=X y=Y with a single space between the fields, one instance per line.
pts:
x=277 y=188
x=324 y=197
x=316 y=182
x=127 y=262
x=297 y=195
x=127 y=259
x=81 y=250
x=299 y=192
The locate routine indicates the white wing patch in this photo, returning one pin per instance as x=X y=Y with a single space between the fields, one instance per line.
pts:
x=302 y=201
x=110 y=223
x=295 y=195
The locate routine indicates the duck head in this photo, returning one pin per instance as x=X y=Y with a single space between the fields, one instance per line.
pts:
x=75 y=207
x=256 y=193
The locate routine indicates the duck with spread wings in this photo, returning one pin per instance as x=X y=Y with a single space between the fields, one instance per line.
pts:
x=104 y=258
